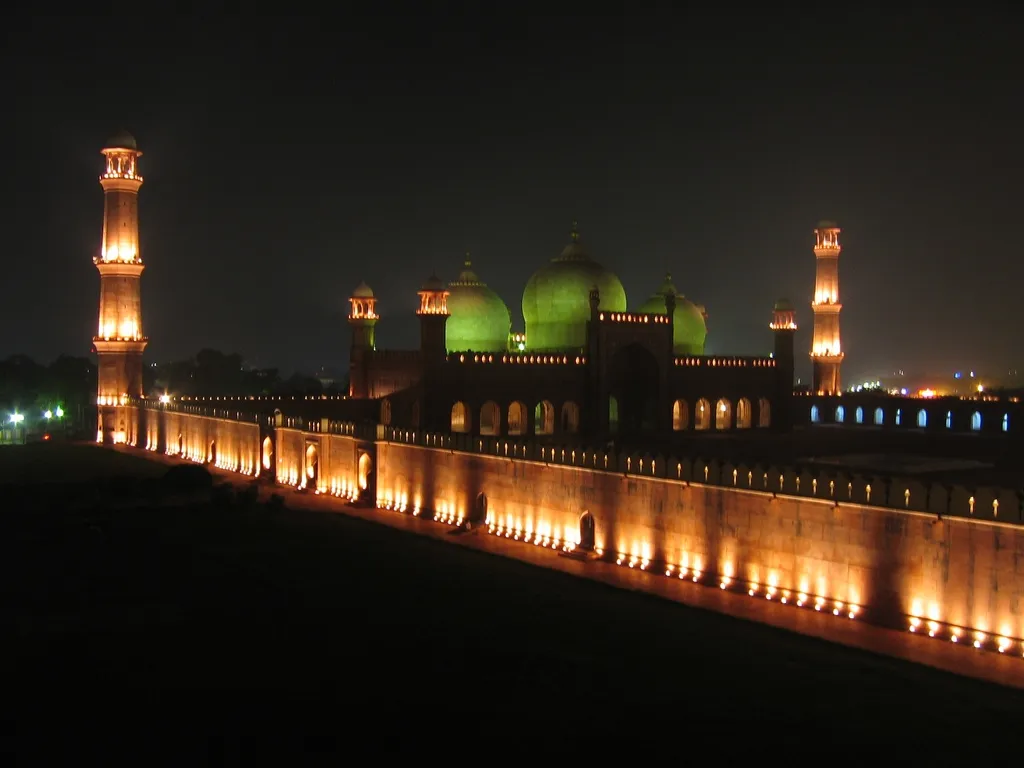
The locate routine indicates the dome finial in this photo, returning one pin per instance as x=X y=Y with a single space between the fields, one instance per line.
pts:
x=467 y=263
x=575 y=234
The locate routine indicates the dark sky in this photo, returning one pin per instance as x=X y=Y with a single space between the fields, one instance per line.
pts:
x=286 y=160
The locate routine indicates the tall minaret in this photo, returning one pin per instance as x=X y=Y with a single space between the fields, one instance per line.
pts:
x=826 y=350
x=119 y=341
x=363 y=319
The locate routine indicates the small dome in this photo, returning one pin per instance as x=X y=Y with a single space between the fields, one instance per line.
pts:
x=433 y=284
x=556 y=302
x=689 y=331
x=479 y=320
x=362 y=291
x=122 y=140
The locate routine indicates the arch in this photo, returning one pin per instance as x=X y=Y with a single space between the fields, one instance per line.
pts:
x=461 y=421
x=743 y=417
x=181 y=445
x=949 y=419
x=899 y=416
x=365 y=471
x=702 y=414
x=723 y=414
x=879 y=417
x=211 y=457
x=478 y=512
x=613 y=414
x=976 y=421
x=570 y=417
x=1006 y=422
x=385 y=412
x=815 y=414
x=490 y=418
x=587 y=531
x=268 y=453
x=544 y=418
x=680 y=415
x=517 y=418
x=858 y=415
x=764 y=412
x=840 y=414
x=635 y=380
x=312 y=465
x=922 y=418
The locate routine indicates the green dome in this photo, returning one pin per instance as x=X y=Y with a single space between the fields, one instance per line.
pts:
x=689 y=330
x=479 y=320
x=556 y=302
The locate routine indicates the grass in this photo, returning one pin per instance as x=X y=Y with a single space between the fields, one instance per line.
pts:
x=237 y=613
x=61 y=462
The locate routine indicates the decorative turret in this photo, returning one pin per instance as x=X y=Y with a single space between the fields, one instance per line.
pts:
x=433 y=313
x=826 y=349
x=362 y=318
x=783 y=327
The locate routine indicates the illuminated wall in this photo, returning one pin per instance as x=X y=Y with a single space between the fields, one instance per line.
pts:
x=844 y=556
x=227 y=444
x=327 y=463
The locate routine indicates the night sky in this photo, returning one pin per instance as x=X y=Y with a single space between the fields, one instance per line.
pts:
x=286 y=160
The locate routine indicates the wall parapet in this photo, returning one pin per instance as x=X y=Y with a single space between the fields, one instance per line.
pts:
x=551 y=358
x=833 y=486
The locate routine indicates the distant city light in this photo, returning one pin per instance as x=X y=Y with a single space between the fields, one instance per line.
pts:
x=47 y=414
x=17 y=418
x=59 y=412
x=165 y=399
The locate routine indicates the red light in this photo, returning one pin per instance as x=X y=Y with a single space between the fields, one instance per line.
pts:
x=46 y=437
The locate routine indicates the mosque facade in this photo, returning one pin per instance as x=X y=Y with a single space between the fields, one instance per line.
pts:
x=586 y=364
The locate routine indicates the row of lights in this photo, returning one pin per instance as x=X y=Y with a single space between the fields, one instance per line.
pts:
x=628 y=317
x=528 y=359
x=973 y=637
x=726 y=362
x=268 y=398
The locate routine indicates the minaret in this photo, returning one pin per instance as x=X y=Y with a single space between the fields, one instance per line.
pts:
x=826 y=350
x=433 y=314
x=363 y=319
x=119 y=340
x=783 y=327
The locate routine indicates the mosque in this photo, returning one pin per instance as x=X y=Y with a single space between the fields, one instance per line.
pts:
x=585 y=365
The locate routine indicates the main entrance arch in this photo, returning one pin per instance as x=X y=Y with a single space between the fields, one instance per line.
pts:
x=365 y=471
x=312 y=470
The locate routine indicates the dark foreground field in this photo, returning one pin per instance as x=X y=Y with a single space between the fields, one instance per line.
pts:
x=237 y=623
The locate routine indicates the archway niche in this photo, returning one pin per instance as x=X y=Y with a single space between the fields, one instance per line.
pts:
x=212 y=455
x=365 y=470
x=478 y=513
x=587 y=533
x=312 y=470
x=636 y=384
x=181 y=445
x=268 y=453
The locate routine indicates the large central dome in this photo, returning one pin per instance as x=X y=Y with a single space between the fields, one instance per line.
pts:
x=479 y=320
x=556 y=302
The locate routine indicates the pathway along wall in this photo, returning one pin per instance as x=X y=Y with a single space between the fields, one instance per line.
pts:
x=959 y=571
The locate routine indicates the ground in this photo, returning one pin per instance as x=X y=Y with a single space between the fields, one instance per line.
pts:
x=234 y=613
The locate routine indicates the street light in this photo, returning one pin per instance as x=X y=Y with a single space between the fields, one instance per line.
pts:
x=165 y=399
x=48 y=414
x=17 y=418
x=59 y=412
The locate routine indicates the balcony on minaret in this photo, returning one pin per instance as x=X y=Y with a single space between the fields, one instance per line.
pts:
x=121 y=164
x=826 y=237
x=433 y=298
x=783 y=317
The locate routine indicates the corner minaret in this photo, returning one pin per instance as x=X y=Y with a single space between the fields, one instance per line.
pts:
x=826 y=350
x=362 y=317
x=119 y=340
x=433 y=313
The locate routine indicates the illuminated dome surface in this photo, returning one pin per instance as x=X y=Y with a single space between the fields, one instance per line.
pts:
x=556 y=302
x=479 y=320
x=362 y=291
x=122 y=140
x=689 y=330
